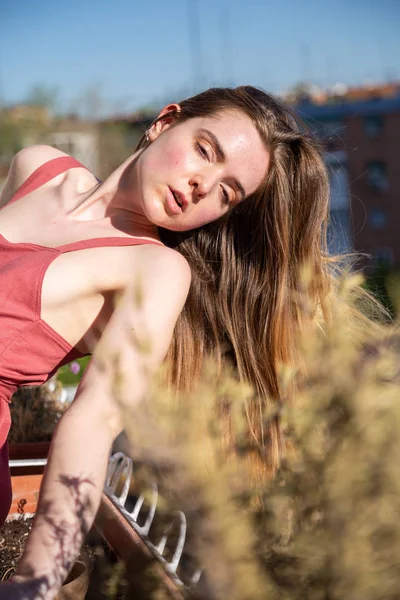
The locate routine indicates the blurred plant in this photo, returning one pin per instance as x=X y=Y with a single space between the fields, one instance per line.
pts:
x=11 y=138
x=327 y=526
x=393 y=289
x=115 y=144
x=382 y=284
x=35 y=412
x=90 y=103
x=43 y=96
x=21 y=126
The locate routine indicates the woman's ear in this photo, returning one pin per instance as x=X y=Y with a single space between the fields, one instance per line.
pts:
x=165 y=119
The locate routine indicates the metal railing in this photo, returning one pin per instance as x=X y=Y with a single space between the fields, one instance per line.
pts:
x=119 y=477
x=27 y=462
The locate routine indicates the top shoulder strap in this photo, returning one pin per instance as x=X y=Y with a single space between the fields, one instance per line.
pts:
x=45 y=173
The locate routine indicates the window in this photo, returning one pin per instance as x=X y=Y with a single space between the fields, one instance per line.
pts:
x=384 y=257
x=377 y=176
x=328 y=129
x=378 y=218
x=373 y=126
x=339 y=185
x=339 y=229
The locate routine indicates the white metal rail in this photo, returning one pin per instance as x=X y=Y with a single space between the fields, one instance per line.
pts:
x=119 y=477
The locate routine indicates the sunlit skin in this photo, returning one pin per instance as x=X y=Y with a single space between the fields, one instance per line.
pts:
x=185 y=158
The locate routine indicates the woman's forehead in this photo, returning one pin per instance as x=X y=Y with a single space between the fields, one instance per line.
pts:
x=225 y=118
x=241 y=144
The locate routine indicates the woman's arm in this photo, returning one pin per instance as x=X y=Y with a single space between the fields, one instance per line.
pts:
x=75 y=475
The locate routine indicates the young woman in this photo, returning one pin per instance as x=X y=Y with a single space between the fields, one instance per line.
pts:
x=223 y=201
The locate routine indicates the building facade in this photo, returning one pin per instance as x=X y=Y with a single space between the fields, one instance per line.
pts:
x=362 y=141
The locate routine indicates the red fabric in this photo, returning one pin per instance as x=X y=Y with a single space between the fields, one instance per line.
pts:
x=5 y=483
x=45 y=173
x=30 y=350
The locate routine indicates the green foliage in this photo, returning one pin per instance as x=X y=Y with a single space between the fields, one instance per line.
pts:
x=67 y=378
x=380 y=284
x=11 y=138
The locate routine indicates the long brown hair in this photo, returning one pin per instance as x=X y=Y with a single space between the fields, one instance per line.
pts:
x=246 y=265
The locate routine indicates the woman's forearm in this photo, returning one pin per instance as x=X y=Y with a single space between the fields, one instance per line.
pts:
x=69 y=496
x=120 y=369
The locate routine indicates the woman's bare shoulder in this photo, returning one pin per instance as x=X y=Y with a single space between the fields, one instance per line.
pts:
x=93 y=271
x=153 y=265
x=164 y=260
x=167 y=270
x=24 y=163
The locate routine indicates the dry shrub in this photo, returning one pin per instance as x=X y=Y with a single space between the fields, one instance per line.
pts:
x=35 y=412
x=328 y=524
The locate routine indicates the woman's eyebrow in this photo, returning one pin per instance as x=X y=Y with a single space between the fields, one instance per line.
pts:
x=221 y=156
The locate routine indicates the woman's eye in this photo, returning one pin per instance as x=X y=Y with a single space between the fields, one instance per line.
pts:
x=202 y=150
x=225 y=196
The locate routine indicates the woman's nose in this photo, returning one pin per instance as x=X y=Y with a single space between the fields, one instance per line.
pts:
x=203 y=183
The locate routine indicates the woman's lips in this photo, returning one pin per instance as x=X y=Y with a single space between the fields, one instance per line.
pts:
x=172 y=203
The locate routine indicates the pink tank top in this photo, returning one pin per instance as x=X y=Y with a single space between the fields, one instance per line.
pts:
x=30 y=350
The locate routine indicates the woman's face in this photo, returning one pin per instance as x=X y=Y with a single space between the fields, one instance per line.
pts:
x=195 y=171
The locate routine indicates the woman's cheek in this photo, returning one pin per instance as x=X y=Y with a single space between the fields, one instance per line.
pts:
x=208 y=215
x=176 y=159
x=168 y=156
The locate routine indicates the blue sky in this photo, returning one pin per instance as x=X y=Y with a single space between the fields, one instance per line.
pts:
x=138 y=52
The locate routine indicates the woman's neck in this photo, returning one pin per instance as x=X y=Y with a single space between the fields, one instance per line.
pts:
x=111 y=201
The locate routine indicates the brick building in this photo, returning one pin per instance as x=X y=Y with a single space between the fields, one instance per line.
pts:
x=362 y=141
